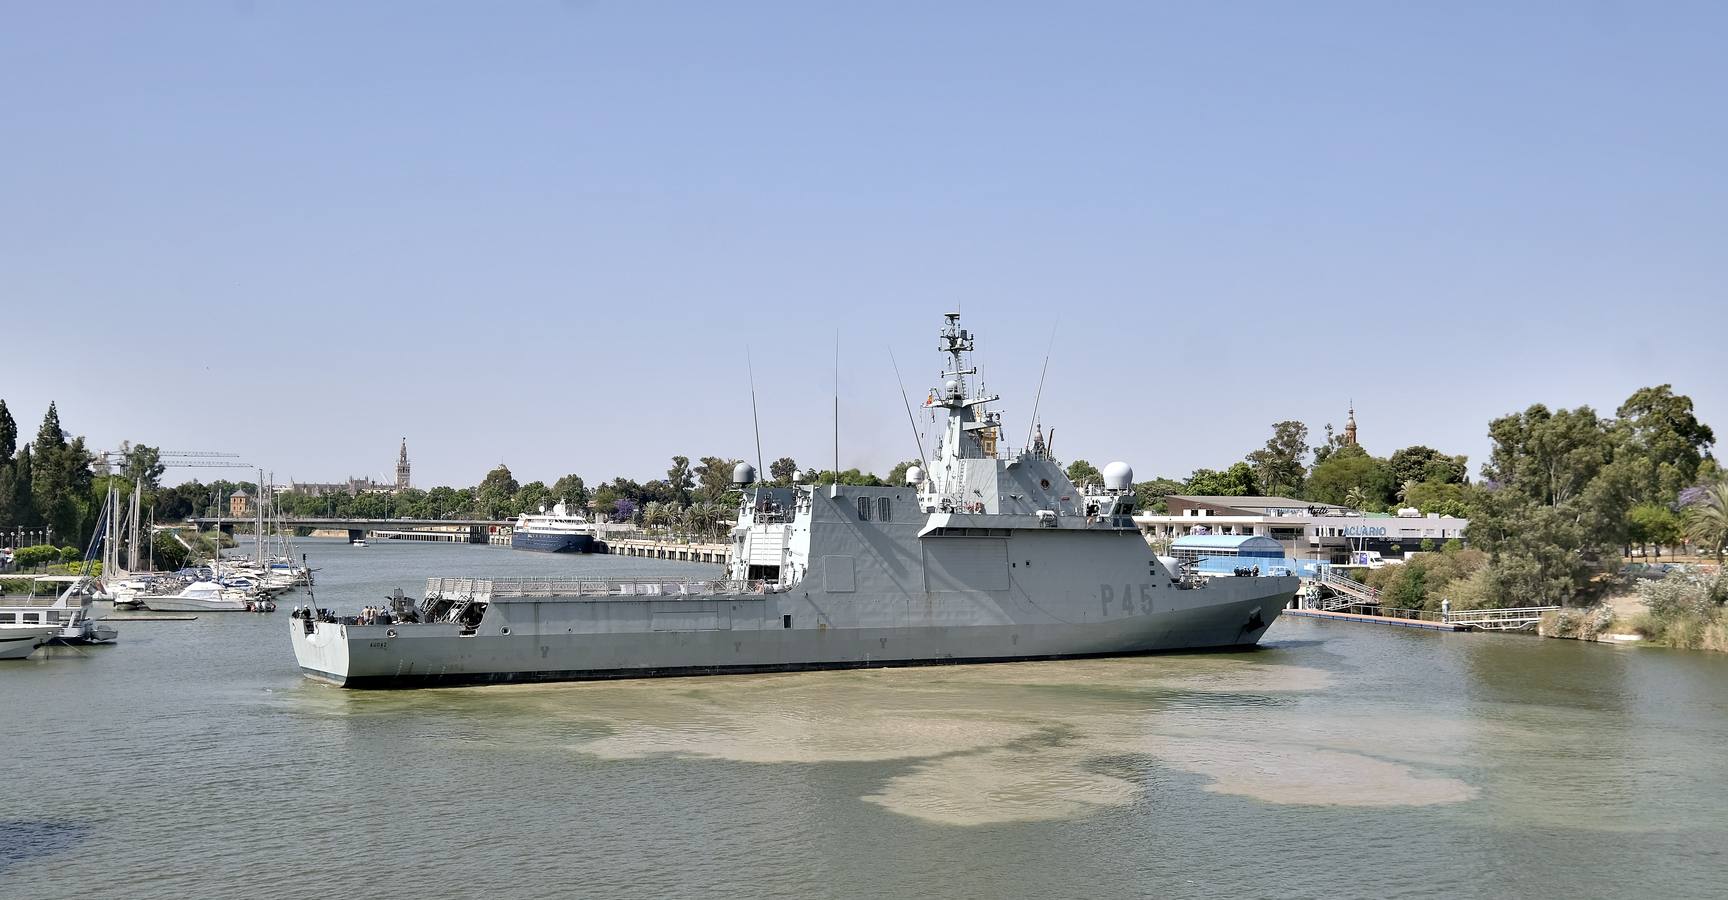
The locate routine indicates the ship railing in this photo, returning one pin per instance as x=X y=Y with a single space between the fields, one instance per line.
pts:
x=596 y=587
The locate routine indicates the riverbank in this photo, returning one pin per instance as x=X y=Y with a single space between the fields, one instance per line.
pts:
x=1683 y=611
x=873 y=784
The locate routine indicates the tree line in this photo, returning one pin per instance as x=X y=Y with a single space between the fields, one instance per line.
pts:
x=1564 y=492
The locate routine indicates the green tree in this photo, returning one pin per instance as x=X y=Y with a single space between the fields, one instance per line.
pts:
x=679 y=479
x=1419 y=463
x=1083 y=473
x=850 y=476
x=571 y=490
x=782 y=470
x=714 y=478
x=1447 y=499
x=1660 y=443
x=1706 y=515
x=1548 y=515
x=143 y=464
x=61 y=479
x=1652 y=523
x=169 y=553
x=1549 y=457
x=897 y=475
x=49 y=491
x=1332 y=444
x=1149 y=495
x=1236 y=481
x=532 y=497
x=1346 y=469
x=8 y=434
x=496 y=492
x=9 y=512
x=1278 y=466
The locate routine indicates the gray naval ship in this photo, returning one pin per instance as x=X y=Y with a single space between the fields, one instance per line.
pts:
x=982 y=557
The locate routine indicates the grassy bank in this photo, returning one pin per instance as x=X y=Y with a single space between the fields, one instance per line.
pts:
x=1685 y=611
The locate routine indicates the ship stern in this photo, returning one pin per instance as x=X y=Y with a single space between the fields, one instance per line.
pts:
x=321 y=649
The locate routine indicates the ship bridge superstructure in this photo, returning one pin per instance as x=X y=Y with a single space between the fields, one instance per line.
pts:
x=972 y=484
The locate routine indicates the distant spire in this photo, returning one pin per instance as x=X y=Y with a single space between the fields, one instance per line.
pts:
x=1350 y=425
x=402 y=467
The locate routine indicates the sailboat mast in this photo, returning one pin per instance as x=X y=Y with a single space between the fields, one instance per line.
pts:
x=137 y=510
x=258 y=529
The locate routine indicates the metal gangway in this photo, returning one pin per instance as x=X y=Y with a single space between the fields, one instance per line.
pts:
x=1499 y=619
x=1347 y=592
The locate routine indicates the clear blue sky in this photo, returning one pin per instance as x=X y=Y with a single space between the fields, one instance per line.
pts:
x=543 y=233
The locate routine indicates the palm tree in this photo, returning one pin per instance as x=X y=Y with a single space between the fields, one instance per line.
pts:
x=1356 y=498
x=1707 y=515
x=654 y=514
x=704 y=514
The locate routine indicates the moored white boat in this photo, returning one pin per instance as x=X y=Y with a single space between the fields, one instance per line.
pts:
x=199 y=596
x=19 y=641
x=69 y=614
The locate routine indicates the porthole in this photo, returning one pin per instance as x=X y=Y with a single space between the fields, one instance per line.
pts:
x=389 y=632
x=504 y=630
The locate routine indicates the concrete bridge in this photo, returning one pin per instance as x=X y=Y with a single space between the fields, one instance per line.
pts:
x=477 y=530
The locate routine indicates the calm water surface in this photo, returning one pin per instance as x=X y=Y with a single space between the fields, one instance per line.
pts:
x=193 y=760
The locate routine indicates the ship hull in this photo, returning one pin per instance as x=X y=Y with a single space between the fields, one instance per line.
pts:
x=552 y=543
x=544 y=641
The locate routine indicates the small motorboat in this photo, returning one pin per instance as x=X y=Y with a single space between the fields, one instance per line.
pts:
x=358 y=542
x=199 y=596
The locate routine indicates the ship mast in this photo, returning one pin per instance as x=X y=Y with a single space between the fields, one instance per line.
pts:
x=964 y=436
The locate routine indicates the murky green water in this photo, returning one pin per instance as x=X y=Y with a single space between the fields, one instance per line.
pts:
x=1341 y=760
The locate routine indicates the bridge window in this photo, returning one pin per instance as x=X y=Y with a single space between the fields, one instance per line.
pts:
x=863 y=509
x=883 y=507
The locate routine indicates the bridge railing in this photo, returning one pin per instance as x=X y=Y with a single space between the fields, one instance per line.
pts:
x=596 y=587
x=1509 y=618
x=1345 y=585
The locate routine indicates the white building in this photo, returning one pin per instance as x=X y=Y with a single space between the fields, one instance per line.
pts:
x=1305 y=529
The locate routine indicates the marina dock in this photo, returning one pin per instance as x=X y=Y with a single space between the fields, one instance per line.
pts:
x=1377 y=620
x=701 y=553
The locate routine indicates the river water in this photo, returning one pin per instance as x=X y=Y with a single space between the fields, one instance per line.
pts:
x=1340 y=760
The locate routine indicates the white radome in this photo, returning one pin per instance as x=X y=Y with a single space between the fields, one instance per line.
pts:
x=1118 y=476
x=915 y=476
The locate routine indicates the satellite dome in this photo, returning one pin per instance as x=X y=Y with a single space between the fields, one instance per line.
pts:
x=1118 y=476
x=952 y=386
x=743 y=473
x=915 y=475
x=797 y=477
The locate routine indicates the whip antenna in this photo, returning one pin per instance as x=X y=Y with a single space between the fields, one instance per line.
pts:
x=836 y=407
x=755 y=421
x=1040 y=395
x=909 y=418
